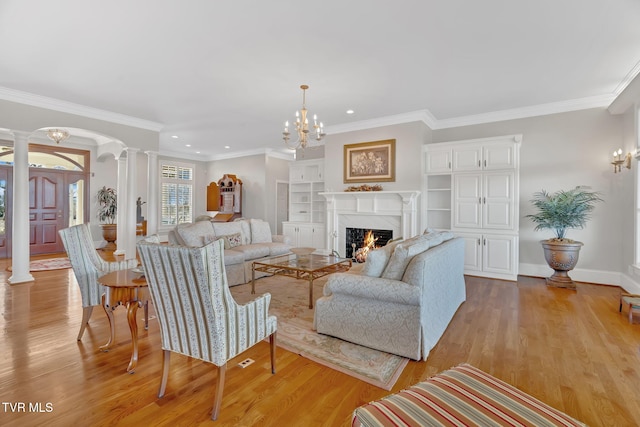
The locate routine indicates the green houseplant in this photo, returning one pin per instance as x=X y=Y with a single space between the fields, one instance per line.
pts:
x=560 y=211
x=107 y=211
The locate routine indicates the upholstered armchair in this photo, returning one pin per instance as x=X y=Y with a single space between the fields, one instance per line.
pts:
x=87 y=266
x=197 y=314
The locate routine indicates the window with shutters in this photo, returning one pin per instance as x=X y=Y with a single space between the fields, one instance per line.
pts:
x=176 y=186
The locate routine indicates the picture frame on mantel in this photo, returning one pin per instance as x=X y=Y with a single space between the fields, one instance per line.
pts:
x=370 y=161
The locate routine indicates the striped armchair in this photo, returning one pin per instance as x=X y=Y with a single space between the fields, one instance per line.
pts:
x=87 y=267
x=197 y=313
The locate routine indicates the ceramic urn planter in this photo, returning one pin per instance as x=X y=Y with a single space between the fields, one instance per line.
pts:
x=110 y=234
x=562 y=256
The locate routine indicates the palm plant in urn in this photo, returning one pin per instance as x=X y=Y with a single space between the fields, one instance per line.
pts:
x=107 y=212
x=560 y=211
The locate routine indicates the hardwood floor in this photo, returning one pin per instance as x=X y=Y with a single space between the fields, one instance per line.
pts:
x=570 y=349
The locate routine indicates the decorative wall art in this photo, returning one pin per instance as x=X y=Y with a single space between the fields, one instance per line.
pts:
x=370 y=161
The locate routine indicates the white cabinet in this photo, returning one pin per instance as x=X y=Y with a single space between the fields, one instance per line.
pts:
x=437 y=160
x=307 y=208
x=471 y=187
x=484 y=200
x=484 y=156
x=490 y=255
x=305 y=235
x=306 y=171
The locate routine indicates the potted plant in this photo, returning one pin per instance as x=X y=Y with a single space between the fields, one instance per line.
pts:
x=560 y=211
x=107 y=210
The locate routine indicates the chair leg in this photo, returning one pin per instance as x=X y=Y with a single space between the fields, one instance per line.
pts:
x=166 y=355
x=217 y=403
x=272 y=345
x=146 y=315
x=86 y=314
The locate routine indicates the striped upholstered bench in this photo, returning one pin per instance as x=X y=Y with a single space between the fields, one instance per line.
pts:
x=460 y=396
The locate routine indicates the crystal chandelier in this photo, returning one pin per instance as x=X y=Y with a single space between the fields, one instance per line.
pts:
x=57 y=135
x=302 y=127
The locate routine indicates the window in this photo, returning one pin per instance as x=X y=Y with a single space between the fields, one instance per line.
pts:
x=176 y=182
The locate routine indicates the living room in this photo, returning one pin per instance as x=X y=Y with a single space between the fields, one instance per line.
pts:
x=564 y=144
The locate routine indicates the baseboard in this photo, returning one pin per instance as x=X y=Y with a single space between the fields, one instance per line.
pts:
x=599 y=277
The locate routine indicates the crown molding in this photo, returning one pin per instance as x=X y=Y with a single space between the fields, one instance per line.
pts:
x=424 y=116
x=77 y=109
x=600 y=101
x=268 y=152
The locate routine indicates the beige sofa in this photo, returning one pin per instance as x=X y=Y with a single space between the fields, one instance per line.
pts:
x=403 y=299
x=245 y=240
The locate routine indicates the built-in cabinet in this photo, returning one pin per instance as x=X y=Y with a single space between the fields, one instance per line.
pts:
x=471 y=187
x=307 y=208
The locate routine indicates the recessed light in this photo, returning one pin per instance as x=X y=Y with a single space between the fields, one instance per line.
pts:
x=350 y=111
x=227 y=147
x=197 y=152
x=188 y=145
x=174 y=136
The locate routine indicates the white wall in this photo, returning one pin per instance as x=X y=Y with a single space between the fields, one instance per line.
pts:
x=409 y=140
x=561 y=151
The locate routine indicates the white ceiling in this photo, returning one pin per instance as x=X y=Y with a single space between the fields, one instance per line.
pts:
x=219 y=73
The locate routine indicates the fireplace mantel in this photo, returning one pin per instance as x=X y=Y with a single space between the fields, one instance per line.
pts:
x=394 y=210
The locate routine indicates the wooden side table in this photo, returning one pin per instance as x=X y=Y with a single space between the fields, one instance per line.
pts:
x=127 y=288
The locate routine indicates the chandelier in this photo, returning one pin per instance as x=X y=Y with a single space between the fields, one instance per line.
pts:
x=302 y=127
x=57 y=135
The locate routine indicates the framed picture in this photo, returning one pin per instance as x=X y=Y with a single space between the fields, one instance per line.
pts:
x=370 y=161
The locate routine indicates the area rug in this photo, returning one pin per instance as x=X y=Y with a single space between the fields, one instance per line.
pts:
x=290 y=303
x=48 y=264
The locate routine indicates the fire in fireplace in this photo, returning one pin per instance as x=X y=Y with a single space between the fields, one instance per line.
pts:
x=359 y=241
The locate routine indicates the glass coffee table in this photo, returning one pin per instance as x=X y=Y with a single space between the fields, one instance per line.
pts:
x=305 y=267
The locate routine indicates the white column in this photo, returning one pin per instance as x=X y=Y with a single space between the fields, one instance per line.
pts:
x=20 y=224
x=153 y=192
x=132 y=188
x=409 y=213
x=121 y=190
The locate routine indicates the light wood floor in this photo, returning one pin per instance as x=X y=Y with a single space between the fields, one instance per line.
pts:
x=570 y=349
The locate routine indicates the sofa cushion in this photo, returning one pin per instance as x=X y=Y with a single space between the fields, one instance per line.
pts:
x=260 y=231
x=228 y=228
x=193 y=234
x=253 y=251
x=276 y=248
x=378 y=259
x=403 y=254
x=232 y=257
x=245 y=228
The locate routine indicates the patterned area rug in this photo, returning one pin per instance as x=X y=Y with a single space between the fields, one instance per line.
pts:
x=48 y=264
x=290 y=303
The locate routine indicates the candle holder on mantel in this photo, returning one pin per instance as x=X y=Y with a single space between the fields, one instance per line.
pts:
x=619 y=161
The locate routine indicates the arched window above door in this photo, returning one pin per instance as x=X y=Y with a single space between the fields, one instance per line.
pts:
x=46 y=157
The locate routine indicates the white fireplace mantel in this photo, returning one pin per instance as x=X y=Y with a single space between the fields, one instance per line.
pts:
x=395 y=210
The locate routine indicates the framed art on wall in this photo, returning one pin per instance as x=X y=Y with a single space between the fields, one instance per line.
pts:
x=370 y=161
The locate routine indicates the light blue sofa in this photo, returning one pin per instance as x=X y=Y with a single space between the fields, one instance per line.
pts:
x=406 y=310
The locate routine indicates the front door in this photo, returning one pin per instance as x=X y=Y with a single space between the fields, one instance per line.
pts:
x=47 y=211
x=5 y=210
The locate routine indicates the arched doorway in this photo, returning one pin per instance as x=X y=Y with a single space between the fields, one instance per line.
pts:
x=58 y=195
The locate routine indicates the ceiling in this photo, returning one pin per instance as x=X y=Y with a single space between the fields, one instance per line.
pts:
x=227 y=73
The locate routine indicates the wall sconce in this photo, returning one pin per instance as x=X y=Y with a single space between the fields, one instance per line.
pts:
x=619 y=161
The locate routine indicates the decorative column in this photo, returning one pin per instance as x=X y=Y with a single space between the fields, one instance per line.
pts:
x=20 y=224
x=153 y=192
x=130 y=207
x=121 y=190
x=409 y=213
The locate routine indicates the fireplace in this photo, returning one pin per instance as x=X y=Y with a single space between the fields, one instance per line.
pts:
x=355 y=239
x=372 y=210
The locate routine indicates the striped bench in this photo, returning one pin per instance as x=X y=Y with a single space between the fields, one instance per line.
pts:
x=460 y=396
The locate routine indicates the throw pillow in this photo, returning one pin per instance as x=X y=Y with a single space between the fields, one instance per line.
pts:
x=228 y=228
x=260 y=231
x=403 y=254
x=378 y=259
x=232 y=240
x=245 y=228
